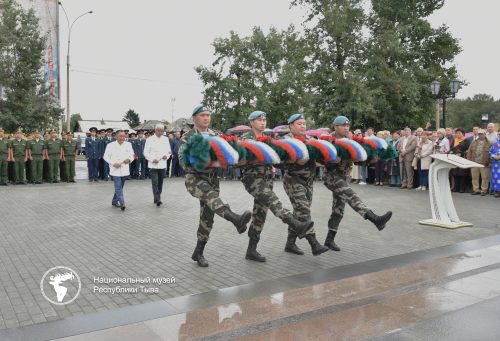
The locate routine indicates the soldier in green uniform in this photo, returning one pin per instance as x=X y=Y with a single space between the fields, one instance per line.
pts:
x=258 y=181
x=35 y=154
x=4 y=158
x=298 y=182
x=53 y=155
x=336 y=181
x=62 y=163
x=70 y=149
x=18 y=154
x=205 y=186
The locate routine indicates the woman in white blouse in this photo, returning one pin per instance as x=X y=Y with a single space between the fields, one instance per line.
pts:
x=424 y=160
x=442 y=143
x=118 y=155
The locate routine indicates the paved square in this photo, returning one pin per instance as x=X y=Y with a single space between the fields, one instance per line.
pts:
x=74 y=225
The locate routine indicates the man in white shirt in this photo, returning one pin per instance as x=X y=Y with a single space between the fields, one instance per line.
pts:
x=118 y=155
x=157 y=151
x=491 y=133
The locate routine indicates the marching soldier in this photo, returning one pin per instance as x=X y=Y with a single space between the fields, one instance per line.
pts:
x=19 y=155
x=205 y=186
x=53 y=155
x=35 y=154
x=298 y=182
x=335 y=181
x=259 y=183
x=69 y=151
x=92 y=154
x=4 y=158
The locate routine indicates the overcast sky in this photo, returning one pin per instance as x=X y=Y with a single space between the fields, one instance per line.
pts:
x=141 y=54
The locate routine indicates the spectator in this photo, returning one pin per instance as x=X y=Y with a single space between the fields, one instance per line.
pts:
x=460 y=147
x=393 y=164
x=355 y=171
x=491 y=134
x=479 y=152
x=406 y=147
x=495 y=166
x=424 y=160
x=450 y=136
x=442 y=144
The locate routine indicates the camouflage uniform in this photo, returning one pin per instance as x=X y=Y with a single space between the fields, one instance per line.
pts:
x=298 y=182
x=205 y=187
x=69 y=148
x=258 y=182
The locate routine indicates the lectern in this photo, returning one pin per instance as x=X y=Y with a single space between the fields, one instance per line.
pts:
x=443 y=210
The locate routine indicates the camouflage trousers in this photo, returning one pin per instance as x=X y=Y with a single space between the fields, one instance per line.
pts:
x=342 y=194
x=205 y=187
x=260 y=188
x=300 y=192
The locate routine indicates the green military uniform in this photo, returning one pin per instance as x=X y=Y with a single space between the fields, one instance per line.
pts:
x=4 y=152
x=37 y=147
x=69 y=148
x=53 y=147
x=19 y=152
x=258 y=182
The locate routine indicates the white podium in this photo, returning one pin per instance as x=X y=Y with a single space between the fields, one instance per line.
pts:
x=443 y=210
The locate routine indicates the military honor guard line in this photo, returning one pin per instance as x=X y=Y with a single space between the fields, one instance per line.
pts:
x=202 y=152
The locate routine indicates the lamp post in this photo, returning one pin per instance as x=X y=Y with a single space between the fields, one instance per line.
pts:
x=435 y=87
x=68 y=115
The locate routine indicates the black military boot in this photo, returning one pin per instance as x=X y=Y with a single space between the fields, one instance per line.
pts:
x=252 y=253
x=378 y=220
x=291 y=246
x=240 y=221
x=300 y=227
x=316 y=247
x=198 y=254
x=329 y=241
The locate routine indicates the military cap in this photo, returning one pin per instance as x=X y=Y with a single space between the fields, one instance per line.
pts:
x=52 y=131
x=109 y=130
x=93 y=129
x=198 y=109
x=131 y=134
x=126 y=130
x=340 y=121
x=256 y=114
x=481 y=131
x=295 y=117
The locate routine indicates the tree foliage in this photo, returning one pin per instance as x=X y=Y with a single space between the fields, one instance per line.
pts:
x=467 y=113
x=26 y=103
x=374 y=66
x=132 y=118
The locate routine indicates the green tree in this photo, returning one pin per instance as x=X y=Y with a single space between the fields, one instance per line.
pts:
x=132 y=118
x=26 y=104
x=404 y=55
x=466 y=113
x=264 y=71
x=74 y=120
x=336 y=41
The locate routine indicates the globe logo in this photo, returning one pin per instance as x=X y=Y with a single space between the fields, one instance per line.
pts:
x=60 y=285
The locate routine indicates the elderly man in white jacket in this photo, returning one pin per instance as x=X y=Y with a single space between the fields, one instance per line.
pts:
x=157 y=151
x=118 y=155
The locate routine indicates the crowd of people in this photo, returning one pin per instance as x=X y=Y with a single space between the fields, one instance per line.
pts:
x=35 y=159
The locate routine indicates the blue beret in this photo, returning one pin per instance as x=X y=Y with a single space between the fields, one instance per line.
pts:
x=199 y=108
x=340 y=121
x=256 y=114
x=294 y=118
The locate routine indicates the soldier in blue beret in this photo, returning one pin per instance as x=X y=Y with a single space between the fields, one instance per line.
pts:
x=336 y=181
x=204 y=186
x=258 y=182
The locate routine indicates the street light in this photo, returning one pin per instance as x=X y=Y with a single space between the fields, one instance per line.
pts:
x=68 y=118
x=454 y=87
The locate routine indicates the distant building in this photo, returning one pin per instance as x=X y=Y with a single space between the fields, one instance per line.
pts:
x=85 y=125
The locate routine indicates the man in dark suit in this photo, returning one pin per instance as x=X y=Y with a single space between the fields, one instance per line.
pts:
x=107 y=139
x=141 y=162
x=93 y=154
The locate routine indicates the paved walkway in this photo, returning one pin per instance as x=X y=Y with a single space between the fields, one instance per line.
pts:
x=74 y=225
